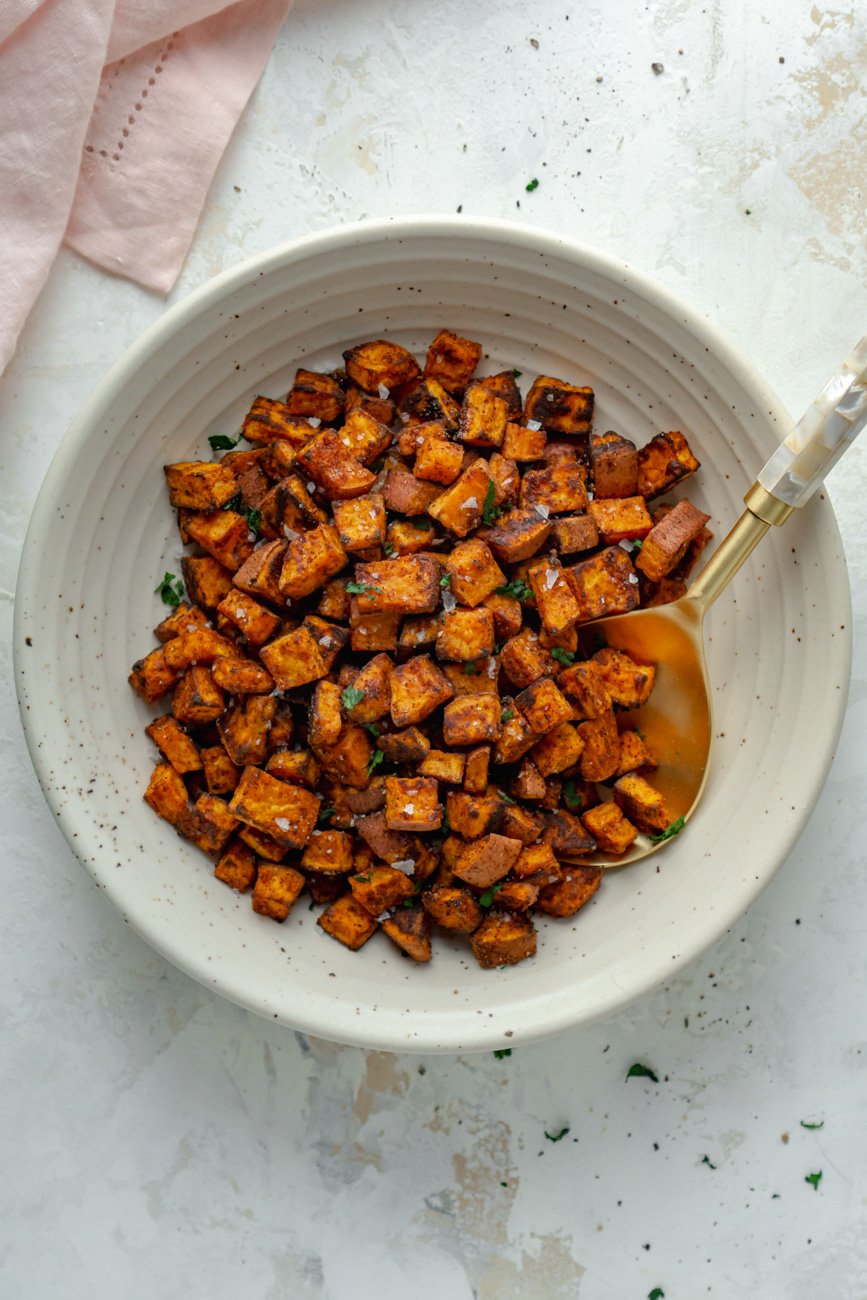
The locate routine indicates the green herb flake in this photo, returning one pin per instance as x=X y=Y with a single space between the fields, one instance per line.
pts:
x=219 y=442
x=501 y=794
x=532 y=185
x=500 y=1052
x=487 y=898
x=365 y=880
x=517 y=589
x=171 y=590
x=470 y=669
x=324 y=817
x=517 y=374
x=814 y=1180
x=670 y=831
x=253 y=517
x=376 y=467
x=562 y=656
x=388 y=549
x=351 y=696
x=445 y=580
x=359 y=588
x=706 y=1160
x=507 y=715
x=375 y=759
x=490 y=512
x=556 y=1137
x=638 y=1071
x=372 y=728
x=419 y=521
x=656 y=1294
x=804 y=1124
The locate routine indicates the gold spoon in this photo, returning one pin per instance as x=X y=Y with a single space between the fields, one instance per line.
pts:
x=677 y=718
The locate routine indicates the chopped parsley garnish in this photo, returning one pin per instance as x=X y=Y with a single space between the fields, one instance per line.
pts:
x=324 y=817
x=656 y=1294
x=562 y=656
x=359 y=588
x=517 y=589
x=171 y=590
x=706 y=1160
x=555 y=1137
x=487 y=898
x=365 y=880
x=352 y=696
x=641 y=1072
x=814 y=1180
x=501 y=794
x=670 y=831
x=445 y=580
x=253 y=516
x=420 y=522
x=375 y=759
x=388 y=549
x=372 y=728
x=571 y=795
x=219 y=442
x=507 y=714
x=500 y=1052
x=517 y=373
x=804 y=1124
x=532 y=185
x=377 y=465
x=471 y=668
x=490 y=511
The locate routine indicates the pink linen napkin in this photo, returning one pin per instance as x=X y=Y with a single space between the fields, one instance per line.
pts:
x=113 y=117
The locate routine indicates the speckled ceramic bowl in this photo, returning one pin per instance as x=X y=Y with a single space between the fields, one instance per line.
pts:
x=102 y=534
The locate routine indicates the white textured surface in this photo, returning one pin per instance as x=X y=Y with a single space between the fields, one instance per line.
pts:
x=159 y=1142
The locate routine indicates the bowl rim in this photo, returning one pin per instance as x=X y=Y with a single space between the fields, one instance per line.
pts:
x=210 y=294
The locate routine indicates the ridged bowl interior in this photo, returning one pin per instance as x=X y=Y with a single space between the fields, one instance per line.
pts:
x=102 y=535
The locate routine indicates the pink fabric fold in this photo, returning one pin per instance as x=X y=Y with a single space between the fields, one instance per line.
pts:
x=114 y=118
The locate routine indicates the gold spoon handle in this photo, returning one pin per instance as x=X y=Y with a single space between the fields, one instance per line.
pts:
x=794 y=472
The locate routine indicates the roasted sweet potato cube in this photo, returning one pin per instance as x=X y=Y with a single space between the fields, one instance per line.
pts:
x=411 y=436
x=523 y=444
x=522 y=824
x=620 y=519
x=379 y=888
x=347 y=759
x=221 y=774
x=347 y=921
x=244 y=729
x=372 y=632
x=528 y=783
x=506 y=478
x=186 y=618
x=294 y=659
x=324 y=720
x=390 y=846
x=504 y=385
x=612 y=831
x=459 y=508
x=600 y=757
x=429 y=401
x=278 y=460
x=407 y=746
x=643 y=805
x=255 y=623
x=412 y=804
x=614 y=465
x=404 y=494
x=276 y=890
x=559 y=406
x=316 y=394
x=557 y=606
x=544 y=706
x=288 y=508
x=453 y=907
x=503 y=939
x=566 y=836
x=206 y=580
x=666 y=543
x=379 y=364
x=264 y=846
x=486 y=860
x=451 y=360
x=628 y=683
x=197 y=699
x=409 y=928
x=634 y=753
x=285 y=812
x=167 y=794
x=466 y=634
x=259 y=575
x=474 y=572
x=202 y=645
x=517 y=536
x=537 y=862
x=242 y=676
x=508 y=616
x=360 y=523
x=224 y=534
x=443 y=765
x=364 y=436
x=472 y=720
x=409 y=584
x=557 y=488
x=474 y=676
x=417 y=688
x=381 y=408
x=310 y=560
x=438 y=461
x=329 y=852
x=253 y=483
x=516 y=735
x=473 y=815
x=407 y=536
x=237 y=866
x=368 y=698
x=297 y=766
x=516 y=895
x=662 y=462
x=152 y=677
x=575 y=533
x=484 y=417
x=524 y=660
x=604 y=584
x=200 y=485
x=584 y=687
x=325 y=889
x=577 y=887
x=332 y=466
x=335 y=601
x=559 y=750
x=476 y=770
x=209 y=824
x=418 y=632
x=282 y=727
x=269 y=421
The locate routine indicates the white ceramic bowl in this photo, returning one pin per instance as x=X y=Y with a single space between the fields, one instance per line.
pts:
x=102 y=535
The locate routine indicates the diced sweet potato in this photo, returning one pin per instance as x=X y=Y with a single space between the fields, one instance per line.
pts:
x=328 y=852
x=521 y=824
x=565 y=835
x=557 y=606
x=614 y=465
x=197 y=699
x=507 y=613
x=418 y=632
x=604 y=584
x=264 y=846
x=407 y=536
x=516 y=735
x=411 y=436
x=381 y=408
x=289 y=508
x=575 y=533
x=529 y=784
x=269 y=421
x=484 y=416
x=557 y=488
x=380 y=888
x=297 y=766
x=325 y=889
x=516 y=895
x=628 y=683
x=202 y=645
x=453 y=908
x=255 y=623
x=634 y=753
x=474 y=572
x=643 y=805
x=472 y=720
x=276 y=890
x=559 y=750
x=438 y=461
x=372 y=632
x=465 y=634
x=360 y=523
x=477 y=768
x=200 y=485
x=244 y=729
x=335 y=602
x=459 y=508
x=237 y=866
x=486 y=860
x=537 y=862
x=620 y=519
x=316 y=394
x=451 y=360
x=417 y=688
x=294 y=659
x=332 y=466
x=152 y=678
x=347 y=921
x=544 y=706
x=557 y=405
x=412 y=804
x=183 y=619
x=443 y=765
x=474 y=676
x=209 y=824
x=285 y=812
x=521 y=443
x=666 y=542
x=224 y=534
x=366 y=437
x=206 y=580
x=584 y=687
x=409 y=928
x=347 y=759
x=517 y=535
x=167 y=794
x=612 y=831
x=577 y=887
x=503 y=939
x=310 y=560
x=600 y=757
x=407 y=746
x=524 y=660
x=221 y=774
x=429 y=401
x=390 y=846
x=242 y=676
x=404 y=494
x=504 y=385
x=259 y=576
x=379 y=364
x=473 y=815
x=409 y=584
x=662 y=462
x=325 y=721
x=277 y=461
